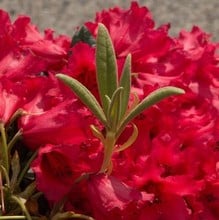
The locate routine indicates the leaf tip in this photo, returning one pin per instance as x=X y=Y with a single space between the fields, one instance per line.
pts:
x=59 y=75
x=179 y=91
x=172 y=90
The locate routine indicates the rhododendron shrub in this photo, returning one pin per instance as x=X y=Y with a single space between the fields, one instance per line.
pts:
x=98 y=152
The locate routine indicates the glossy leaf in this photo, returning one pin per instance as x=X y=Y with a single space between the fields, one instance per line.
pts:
x=85 y=96
x=106 y=65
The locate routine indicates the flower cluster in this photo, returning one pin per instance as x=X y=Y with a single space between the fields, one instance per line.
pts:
x=169 y=172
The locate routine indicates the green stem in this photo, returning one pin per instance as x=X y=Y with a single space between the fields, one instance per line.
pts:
x=12 y=217
x=15 y=116
x=5 y=175
x=4 y=148
x=27 y=166
x=109 y=144
x=28 y=192
x=16 y=137
x=2 y=194
x=80 y=216
x=21 y=204
x=70 y=215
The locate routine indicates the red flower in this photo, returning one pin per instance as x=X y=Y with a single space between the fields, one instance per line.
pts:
x=210 y=197
x=204 y=205
x=166 y=207
x=64 y=123
x=81 y=66
x=132 y=31
x=54 y=115
x=11 y=99
x=57 y=167
x=169 y=159
x=24 y=51
x=112 y=199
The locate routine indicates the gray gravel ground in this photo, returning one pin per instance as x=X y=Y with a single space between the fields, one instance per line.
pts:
x=65 y=15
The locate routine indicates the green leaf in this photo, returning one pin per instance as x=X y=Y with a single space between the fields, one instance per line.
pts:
x=4 y=148
x=12 y=217
x=21 y=202
x=125 y=82
x=97 y=133
x=83 y=35
x=15 y=168
x=130 y=140
x=5 y=175
x=106 y=65
x=85 y=96
x=108 y=102
x=70 y=215
x=114 y=110
x=28 y=191
x=150 y=100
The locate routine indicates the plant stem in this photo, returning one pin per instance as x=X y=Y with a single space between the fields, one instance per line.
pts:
x=109 y=144
x=4 y=148
x=16 y=137
x=5 y=175
x=22 y=206
x=27 y=166
x=12 y=217
x=2 y=194
x=80 y=216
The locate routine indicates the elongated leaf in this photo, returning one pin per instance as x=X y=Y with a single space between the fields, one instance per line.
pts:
x=150 y=100
x=106 y=65
x=85 y=96
x=130 y=140
x=21 y=202
x=114 y=108
x=15 y=167
x=125 y=82
x=97 y=133
x=70 y=215
x=108 y=102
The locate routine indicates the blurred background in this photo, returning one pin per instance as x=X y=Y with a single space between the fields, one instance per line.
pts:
x=65 y=15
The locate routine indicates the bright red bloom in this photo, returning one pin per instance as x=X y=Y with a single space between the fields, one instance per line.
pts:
x=81 y=66
x=54 y=115
x=57 y=167
x=64 y=123
x=170 y=151
x=25 y=55
x=179 y=135
x=24 y=51
x=132 y=31
x=166 y=207
x=175 y=156
x=14 y=95
x=11 y=100
x=112 y=199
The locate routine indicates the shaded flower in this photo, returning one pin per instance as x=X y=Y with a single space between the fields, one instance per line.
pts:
x=63 y=123
x=81 y=66
x=57 y=167
x=112 y=199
